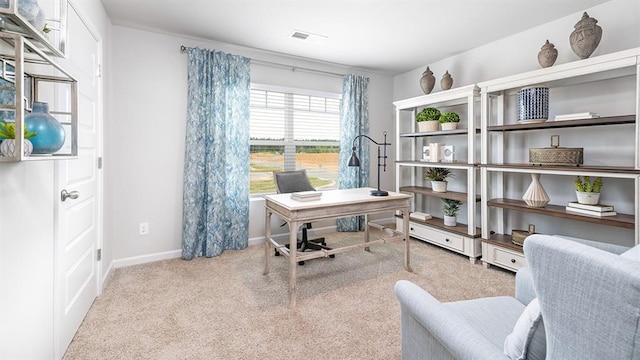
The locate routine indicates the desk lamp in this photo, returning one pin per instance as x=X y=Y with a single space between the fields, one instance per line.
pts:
x=354 y=161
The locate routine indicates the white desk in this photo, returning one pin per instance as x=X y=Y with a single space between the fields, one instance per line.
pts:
x=333 y=204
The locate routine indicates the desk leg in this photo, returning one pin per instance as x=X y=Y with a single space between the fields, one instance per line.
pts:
x=267 y=241
x=405 y=225
x=366 y=232
x=293 y=262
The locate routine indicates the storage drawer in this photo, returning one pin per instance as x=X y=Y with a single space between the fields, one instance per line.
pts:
x=508 y=259
x=447 y=240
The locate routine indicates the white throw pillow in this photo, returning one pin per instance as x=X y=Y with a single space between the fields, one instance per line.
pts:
x=527 y=341
x=632 y=254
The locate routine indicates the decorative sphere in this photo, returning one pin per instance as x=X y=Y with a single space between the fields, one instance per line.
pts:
x=50 y=134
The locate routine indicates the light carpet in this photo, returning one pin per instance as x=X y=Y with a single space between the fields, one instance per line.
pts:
x=224 y=308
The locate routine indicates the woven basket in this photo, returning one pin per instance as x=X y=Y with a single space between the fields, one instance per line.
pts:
x=519 y=236
x=556 y=155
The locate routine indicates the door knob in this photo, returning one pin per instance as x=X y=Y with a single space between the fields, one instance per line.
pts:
x=71 y=195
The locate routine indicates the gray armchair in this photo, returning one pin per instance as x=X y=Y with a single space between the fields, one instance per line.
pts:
x=589 y=300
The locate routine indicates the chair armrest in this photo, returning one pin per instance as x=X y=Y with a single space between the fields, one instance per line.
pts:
x=525 y=292
x=456 y=335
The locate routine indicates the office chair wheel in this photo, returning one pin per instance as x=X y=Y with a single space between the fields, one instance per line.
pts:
x=276 y=252
x=332 y=256
x=300 y=263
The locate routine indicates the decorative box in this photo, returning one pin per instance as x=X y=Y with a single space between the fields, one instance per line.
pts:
x=519 y=236
x=556 y=155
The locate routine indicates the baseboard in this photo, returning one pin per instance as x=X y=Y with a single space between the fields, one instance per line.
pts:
x=106 y=277
x=143 y=259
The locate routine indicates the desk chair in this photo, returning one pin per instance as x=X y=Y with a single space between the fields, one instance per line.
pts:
x=296 y=181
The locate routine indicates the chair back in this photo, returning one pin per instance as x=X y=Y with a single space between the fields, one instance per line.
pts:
x=589 y=299
x=292 y=181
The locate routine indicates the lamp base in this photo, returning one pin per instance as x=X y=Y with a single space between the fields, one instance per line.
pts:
x=379 y=193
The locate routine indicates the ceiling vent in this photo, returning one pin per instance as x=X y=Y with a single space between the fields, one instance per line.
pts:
x=308 y=37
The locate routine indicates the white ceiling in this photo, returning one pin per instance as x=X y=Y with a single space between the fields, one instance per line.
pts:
x=387 y=36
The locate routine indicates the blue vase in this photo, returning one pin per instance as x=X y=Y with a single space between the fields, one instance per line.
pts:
x=50 y=134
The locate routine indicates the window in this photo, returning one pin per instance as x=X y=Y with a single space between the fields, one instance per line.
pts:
x=293 y=129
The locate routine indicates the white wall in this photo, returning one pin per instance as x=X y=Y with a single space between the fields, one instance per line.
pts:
x=620 y=21
x=27 y=200
x=148 y=124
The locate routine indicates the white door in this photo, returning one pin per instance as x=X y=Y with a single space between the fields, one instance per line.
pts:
x=79 y=225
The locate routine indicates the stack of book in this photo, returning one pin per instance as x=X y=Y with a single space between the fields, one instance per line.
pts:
x=306 y=195
x=593 y=210
x=419 y=216
x=576 y=116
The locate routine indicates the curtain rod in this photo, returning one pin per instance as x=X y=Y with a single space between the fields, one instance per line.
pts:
x=184 y=49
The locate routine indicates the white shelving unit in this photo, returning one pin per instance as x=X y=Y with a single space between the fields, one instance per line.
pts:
x=27 y=74
x=463 y=238
x=579 y=86
x=43 y=22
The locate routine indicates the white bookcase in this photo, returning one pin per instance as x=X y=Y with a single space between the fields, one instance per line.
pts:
x=608 y=85
x=463 y=238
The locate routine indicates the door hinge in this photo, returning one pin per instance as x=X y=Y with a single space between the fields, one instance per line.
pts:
x=98 y=70
x=99 y=254
x=100 y=163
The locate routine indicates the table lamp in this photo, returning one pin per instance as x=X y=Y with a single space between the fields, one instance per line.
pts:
x=354 y=161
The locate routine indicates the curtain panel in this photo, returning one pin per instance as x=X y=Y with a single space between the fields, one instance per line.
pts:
x=354 y=121
x=216 y=169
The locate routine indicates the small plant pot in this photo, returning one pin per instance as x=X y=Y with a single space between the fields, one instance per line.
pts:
x=439 y=186
x=450 y=220
x=426 y=126
x=449 y=126
x=588 y=198
x=8 y=148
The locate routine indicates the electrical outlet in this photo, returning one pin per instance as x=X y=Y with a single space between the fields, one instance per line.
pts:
x=143 y=228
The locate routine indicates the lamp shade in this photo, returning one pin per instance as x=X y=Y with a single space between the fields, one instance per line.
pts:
x=354 y=161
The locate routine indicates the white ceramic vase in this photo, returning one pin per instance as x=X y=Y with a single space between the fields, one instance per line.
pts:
x=588 y=198
x=450 y=220
x=535 y=196
x=439 y=186
x=426 y=126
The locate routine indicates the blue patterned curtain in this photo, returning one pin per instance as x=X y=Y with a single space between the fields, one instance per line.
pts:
x=354 y=120
x=216 y=167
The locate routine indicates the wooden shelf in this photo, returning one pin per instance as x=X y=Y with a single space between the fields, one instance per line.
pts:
x=443 y=195
x=577 y=169
x=620 y=220
x=438 y=223
x=438 y=133
x=503 y=241
x=452 y=165
x=602 y=121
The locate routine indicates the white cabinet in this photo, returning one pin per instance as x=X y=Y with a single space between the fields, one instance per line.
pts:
x=465 y=237
x=607 y=85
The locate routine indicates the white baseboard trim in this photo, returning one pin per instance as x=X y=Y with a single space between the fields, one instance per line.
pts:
x=106 y=277
x=143 y=259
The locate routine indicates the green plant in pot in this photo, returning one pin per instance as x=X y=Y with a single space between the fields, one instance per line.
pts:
x=449 y=120
x=8 y=136
x=438 y=177
x=428 y=119
x=450 y=208
x=587 y=190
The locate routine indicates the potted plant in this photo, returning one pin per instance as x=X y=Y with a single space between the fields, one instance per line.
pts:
x=449 y=120
x=8 y=136
x=427 y=119
x=588 y=191
x=450 y=208
x=438 y=177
